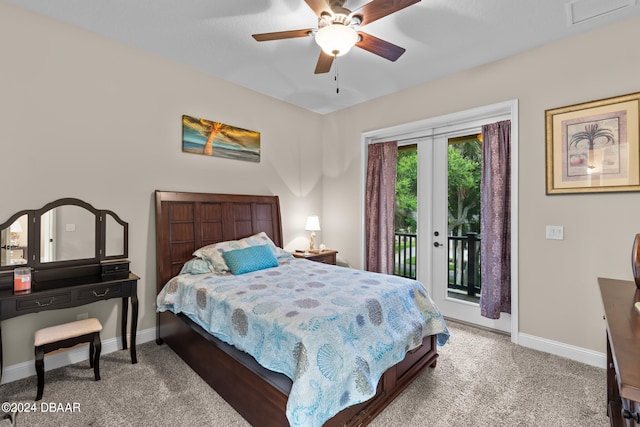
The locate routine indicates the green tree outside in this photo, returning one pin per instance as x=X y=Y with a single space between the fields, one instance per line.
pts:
x=406 y=189
x=464 y=169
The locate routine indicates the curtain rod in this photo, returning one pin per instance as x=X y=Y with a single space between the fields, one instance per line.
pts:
x=401 y=140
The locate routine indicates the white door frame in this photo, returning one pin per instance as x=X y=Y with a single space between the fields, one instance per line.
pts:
x=423 y=128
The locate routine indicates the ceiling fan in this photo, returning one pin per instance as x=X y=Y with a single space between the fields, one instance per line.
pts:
x=336 y=32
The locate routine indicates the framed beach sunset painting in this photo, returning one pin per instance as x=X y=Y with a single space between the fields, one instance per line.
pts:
x=200 y=136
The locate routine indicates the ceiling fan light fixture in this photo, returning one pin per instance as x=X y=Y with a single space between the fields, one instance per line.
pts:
x=336 y=39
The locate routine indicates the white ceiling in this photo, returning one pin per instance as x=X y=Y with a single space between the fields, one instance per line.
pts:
x=441 y=37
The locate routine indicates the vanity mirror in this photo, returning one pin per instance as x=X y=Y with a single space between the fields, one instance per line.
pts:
x=14 y=241
x=115 y=236
x=67 y=234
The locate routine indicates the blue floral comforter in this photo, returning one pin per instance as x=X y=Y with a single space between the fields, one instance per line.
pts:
x=332 y=330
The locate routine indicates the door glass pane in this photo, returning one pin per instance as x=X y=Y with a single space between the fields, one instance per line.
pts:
x=464 y=171
x=406 y=215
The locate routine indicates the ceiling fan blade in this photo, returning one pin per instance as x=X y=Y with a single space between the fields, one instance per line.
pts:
x=318 y=6
x=380 y=47
x=377 y=9
x=324 y=63
x=279 y=35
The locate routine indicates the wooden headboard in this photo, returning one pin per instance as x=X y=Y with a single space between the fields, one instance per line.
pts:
x=188 y=221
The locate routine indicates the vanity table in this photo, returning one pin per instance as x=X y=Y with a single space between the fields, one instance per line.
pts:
x=77 y=256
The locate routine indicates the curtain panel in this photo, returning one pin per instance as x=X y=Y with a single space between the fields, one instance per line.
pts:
x=380 y=201
x=495 y=222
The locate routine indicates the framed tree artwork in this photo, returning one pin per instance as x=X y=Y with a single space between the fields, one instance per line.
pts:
x=201 y=136
x=594 y=147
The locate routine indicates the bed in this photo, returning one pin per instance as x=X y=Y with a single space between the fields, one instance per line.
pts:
x=186 y=222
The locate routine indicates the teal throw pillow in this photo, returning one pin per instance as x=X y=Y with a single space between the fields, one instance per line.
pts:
x=250 y=259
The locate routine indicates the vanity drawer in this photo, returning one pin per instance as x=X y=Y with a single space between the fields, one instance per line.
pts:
x=115 y=267
x=51 y=301
x=101 y=292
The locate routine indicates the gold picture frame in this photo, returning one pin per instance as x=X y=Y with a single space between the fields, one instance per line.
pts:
x=593 y=147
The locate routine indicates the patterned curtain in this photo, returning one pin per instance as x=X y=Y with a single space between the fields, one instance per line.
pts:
x=380 y=201
x=495 y=223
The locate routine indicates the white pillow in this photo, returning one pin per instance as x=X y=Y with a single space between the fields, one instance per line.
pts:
x=213 y=253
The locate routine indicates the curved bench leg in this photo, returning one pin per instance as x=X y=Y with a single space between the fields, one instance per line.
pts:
x=11 y=416
x=40 y=371
x=94 y=354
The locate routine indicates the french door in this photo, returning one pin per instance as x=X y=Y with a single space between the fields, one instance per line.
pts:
x=441 y=255
x=432 y=136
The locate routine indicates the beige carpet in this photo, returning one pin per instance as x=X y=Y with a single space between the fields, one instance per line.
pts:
x=481 y=380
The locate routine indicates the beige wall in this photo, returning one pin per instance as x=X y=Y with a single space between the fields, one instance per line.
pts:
x=559 y=299
x=85 y=117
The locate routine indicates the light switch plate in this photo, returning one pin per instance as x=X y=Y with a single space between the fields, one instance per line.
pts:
x=555 y=232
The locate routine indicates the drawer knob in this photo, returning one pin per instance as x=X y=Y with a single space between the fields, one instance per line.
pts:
x=95 y=294
x=631 y=415
x=41 y=304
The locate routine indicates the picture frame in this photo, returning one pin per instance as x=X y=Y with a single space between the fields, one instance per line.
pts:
x=594 y=147
x=210 y=138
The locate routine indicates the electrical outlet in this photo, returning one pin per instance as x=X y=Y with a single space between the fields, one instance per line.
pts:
x=83 y=316
x=555 y=232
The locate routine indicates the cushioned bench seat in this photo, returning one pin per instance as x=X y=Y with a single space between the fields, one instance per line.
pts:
x=67 y=335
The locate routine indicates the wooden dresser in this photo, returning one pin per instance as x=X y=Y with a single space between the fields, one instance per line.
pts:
x=623 y=351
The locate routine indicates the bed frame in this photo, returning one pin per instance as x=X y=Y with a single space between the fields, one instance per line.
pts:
x=187 y=221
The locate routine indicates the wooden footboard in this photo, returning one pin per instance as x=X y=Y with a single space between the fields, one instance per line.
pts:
x=260 y=395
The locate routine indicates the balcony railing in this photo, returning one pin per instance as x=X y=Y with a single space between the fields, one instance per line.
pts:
x=464 y=260
x=405 y=255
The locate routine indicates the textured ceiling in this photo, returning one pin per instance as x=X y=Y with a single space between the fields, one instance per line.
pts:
x=441 y=37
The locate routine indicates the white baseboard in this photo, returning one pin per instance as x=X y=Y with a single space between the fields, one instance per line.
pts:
x=557 y=348
x=75 y=355
x=27 y=369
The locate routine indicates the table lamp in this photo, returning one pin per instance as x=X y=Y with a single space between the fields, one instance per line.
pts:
x=313 y=225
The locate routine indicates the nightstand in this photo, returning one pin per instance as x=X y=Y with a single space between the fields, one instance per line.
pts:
x=327 y=256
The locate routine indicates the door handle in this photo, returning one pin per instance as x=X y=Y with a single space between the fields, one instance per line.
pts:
x=437 y=244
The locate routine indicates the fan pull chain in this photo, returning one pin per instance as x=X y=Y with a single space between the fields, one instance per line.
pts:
x=337 y=76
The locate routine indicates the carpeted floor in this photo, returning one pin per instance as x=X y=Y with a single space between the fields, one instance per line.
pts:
x=481 y=380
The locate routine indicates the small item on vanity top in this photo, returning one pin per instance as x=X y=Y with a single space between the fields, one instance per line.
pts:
x=300 y=251
x=22 y=280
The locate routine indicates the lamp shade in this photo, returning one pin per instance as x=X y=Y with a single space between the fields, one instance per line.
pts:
x=16 y=227
x=313 y=223
x=336 y=39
